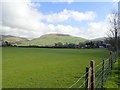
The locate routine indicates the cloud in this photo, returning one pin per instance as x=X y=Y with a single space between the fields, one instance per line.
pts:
x=57 y=17
x=83 y=16
x=68 y=1
x=34 y=4
x=66 y=29
x=97 y=29
x=70 y=14
x=115 y=0
x=93 y=30
x=21 y=19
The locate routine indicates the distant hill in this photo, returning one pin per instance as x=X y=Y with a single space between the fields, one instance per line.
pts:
x=99 y=39
x=51 y=39
x=13 y=39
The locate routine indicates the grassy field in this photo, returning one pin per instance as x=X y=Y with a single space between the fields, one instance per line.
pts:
x=46 y=68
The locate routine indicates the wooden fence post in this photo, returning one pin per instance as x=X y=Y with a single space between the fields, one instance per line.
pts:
x=102 y=86
x=115 y=56
x=92 y=65
x=87 y=78
x=111 y=61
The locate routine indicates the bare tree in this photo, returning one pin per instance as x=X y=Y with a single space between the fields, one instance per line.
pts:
x=113 y=30
x=113 y=19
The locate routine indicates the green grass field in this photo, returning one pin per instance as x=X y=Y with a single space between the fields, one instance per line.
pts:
x=46 y=68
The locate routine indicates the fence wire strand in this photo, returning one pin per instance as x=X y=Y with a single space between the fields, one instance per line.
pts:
x=101 y=76
x=79 y=79
x=82 y=84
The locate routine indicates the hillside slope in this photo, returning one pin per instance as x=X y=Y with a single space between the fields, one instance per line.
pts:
x=13 y=39
x=99 y=39
x=51 y=39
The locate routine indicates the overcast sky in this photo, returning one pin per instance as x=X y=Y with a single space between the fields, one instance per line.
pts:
x=33 y=19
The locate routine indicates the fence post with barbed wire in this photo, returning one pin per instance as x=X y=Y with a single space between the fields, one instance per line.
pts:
x=92 y=66
x=87 y=78
x=100 y=74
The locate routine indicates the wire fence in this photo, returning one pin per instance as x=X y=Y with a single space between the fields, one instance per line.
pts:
x=96 y=76
x=81 y=78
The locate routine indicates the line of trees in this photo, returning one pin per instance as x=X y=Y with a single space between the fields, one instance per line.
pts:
x=7 y=44
x=86 y=44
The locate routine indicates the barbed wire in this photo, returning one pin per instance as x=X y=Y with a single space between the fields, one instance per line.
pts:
x=98 y=64
x=95 y=81
x=83 y=83
x=101 y=76
x=105 y=72
x=101 y=63
x=79 y=79
x=101 y=73
x=106 y=60
x=98 y=82
x=100 y=69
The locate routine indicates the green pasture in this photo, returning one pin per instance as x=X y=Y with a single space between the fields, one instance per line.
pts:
x=46 y=67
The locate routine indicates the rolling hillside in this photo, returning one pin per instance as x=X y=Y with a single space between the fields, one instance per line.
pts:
x=13 y=39
x=51 y=39
x=99 y=39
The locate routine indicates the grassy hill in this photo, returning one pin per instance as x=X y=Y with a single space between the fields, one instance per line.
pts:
x=51 y=39
x=99 y=39
x=13 y=39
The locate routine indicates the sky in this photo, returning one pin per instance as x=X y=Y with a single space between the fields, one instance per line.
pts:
x=32 y=19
